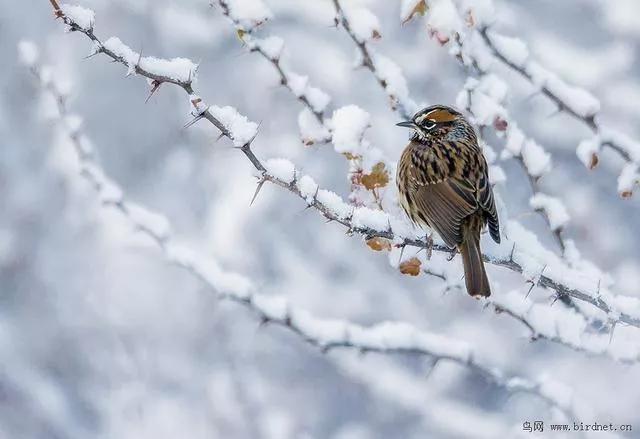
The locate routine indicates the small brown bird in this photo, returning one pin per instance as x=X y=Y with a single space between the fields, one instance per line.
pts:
x=443 y=184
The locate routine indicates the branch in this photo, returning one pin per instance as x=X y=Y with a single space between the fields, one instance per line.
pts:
x=369 y=223
x=390 y=337
x=574 y=101
x=386 y=72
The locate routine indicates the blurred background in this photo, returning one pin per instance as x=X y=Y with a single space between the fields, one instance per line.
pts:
x=100 y=337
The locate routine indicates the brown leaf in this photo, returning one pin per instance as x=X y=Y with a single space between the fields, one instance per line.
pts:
x=411 y=267
x=375 y=34
x=500 y=124
x=378 y=244
x=379 y=177
x=594 y=161
x=420 y=9
x=626 y=194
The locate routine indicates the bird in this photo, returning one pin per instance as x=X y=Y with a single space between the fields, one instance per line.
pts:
x=443 y=184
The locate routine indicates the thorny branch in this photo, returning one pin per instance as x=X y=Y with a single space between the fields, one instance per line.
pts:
x=510 y=263
x=588 y=120
x=270 y=310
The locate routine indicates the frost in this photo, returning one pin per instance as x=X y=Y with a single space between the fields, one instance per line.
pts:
x=83 y=17
x=553 y=208
x=282 y=169
x=348 y=126
x=242 y=130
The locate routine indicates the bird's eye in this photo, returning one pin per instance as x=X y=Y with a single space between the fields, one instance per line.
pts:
x=430 y=124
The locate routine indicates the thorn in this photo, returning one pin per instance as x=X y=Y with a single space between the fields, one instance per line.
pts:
x=555 y=299
x=193 y=121
x=530 y=288
x=512 y=250
x=613 y=328
x=402 y=247
x=155 y=85
x=260 y=184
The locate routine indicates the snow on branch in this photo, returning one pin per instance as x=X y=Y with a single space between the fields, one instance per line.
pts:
x=470 y=25
x=537 y=265
x=363 y=27
x=387 y=337
x=273 y=50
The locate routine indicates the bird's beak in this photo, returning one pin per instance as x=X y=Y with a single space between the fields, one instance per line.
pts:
x=406 y=124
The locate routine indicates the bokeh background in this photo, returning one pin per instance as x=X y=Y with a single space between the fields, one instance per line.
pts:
x=100 y=337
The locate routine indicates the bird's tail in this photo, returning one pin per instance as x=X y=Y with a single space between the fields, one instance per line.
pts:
x=475 y=276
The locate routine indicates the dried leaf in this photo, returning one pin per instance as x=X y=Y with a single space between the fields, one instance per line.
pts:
x=241 y=33
x=626 y=194
x=379 y=177
x=594 y=161
x=420 y=9
x=411 y=267
x=375 y=34
x=500 y=124
x=379 y=244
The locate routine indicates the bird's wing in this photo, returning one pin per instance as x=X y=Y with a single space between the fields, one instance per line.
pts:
x=446 y=205
x=488 y=205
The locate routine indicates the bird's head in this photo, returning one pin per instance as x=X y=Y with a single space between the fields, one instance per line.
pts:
x=436 y=122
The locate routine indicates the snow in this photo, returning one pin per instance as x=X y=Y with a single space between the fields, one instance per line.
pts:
x=28 y=53
x=282 y=169
x=308 y=188
x=535 y=158
x=83 y=17
x=553 y=208
x=628 y=179
x=249 y=13
x=364 y=24
x=271 y=46
x=153 y=222
x=334 y=203
x=317 y=98
x=407 y=7
x=348 y=125
x=626 y=143
x=273 y=307
x=242 y=130
x=371 y=219
x=443 y=17
x=513 y=49
x=396 y=84
x=311 y=130
x=578 y=100
x=587 y=151
x=178 y=69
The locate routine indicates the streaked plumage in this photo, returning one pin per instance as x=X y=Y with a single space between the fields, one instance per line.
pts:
x=443 y=184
